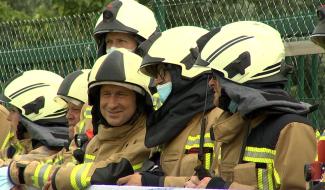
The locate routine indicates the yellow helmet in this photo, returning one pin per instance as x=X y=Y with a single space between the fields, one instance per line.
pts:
x=172 y=47
x=119 y=67
x=125 y=16
x=244 y=51
x=74 y=88
x=33 y=92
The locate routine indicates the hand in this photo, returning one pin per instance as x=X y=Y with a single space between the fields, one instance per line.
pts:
x=192 y=183
x=134 y=179
x=203 y=183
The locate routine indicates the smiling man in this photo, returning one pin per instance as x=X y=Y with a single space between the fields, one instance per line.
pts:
x=121 y=102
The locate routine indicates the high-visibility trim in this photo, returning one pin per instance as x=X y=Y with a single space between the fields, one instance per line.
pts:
x=81 y=127
x=208 y=161
x=19 y=148
x=78 y=177
x=58 y=160
x=35 y=177
x=267 y=178
x=276 y=178
x=156 y=101
x=322 y=137
x=197 y=137
x=262 y=179
x=263 y=155
x=5 y=142
x=89 y=158
x=49 y=161
x=270 y=175
x=44 y=174
x=137 y=166
x=194 y=141
x=317 y=134
x=87 y=112
x=188 y=147
x=73 y=178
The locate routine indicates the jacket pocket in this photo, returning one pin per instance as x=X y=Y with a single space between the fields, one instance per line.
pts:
x=170 y=164
x=246 y=174
x=226 y=171
x=188 y=163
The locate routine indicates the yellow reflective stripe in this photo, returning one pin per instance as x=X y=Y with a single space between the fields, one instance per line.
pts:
x=317 y=134
x=277 y=178
x=156 y=101
x=188 y=147
x=137 y=166
x=197 y=137
x=81 y=127
x=322 y=137
x=5 y=142
x=267 y=178
x=263 y=181
x=19 y=148
x=207 y=161
x=89 y=158
x=45 y=171
x=58 y=160
x=270 y=176
x=73 y=179
x=194 y=141
x=263 y=155
x=35 y=177
x=87 y=113
x=78 y=177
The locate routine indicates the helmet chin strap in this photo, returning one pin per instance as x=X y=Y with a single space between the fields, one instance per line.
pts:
x=201 y=172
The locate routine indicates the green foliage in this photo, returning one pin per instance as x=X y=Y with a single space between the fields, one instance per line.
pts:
x=37 y=9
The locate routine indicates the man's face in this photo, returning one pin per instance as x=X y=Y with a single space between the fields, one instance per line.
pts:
x=13 y=118
x=73 y=117
x=215 y=86
x=117 y=104
x=120 y=40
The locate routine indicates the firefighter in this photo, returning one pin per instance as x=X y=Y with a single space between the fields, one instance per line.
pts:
x=267 y=138
x=187 y=110
x=123 y=24
x=73 y=92
x=38 y=120
x=5 y=130
x=121 y=101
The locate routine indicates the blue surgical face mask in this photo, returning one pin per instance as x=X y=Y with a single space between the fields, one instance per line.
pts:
x=164 y=91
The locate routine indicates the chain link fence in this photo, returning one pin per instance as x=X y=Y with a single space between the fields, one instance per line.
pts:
x=65 y=44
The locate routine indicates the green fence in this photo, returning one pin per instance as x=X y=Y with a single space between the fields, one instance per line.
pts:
x=65 y=44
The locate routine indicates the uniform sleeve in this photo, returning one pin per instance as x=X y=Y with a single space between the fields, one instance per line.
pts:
x=173 y=181
x=103 y=172
x=37 y=174
x=296 y=147
x=38 y=168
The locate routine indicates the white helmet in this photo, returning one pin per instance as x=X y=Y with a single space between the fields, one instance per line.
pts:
x=244 y=51
x=74 y=88
x=127 y=16
x=172 y=47
x=33 y=92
